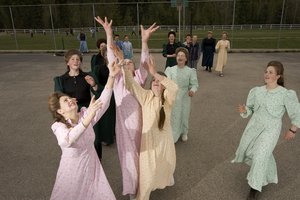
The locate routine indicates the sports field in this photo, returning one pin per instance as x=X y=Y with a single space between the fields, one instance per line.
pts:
x=240 y=39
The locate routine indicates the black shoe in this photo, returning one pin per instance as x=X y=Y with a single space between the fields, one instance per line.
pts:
x=206 y=69
x=209 y=69
x=253 y=194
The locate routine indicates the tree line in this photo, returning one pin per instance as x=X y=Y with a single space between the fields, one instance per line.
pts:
x=125 y=13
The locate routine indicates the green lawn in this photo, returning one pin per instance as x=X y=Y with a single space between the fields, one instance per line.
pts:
x=241 y=39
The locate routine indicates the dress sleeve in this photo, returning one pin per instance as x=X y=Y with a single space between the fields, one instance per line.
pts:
x=141 y=73
x=105 y=99
x=228 y=45
x=193 y=85
x=171 y=90
x=134 y=88
x=58 y=84
x=292 y=107
x=168 y=72
x=249 y=104
x=217 y=46
x=67 y=136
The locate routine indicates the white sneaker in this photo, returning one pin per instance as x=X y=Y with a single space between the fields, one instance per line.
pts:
x=184 y=137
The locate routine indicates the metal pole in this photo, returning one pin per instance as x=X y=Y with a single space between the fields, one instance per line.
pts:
x=281 y=19
x=191 y=21
x=183 y=21
x=233 y=17
x=179 y=21
x=138 y=23
x=13 y=25
x=53 y=34
x=95 y=25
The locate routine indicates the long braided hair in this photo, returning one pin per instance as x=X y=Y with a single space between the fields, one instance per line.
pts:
x=162 y=114
x=53 y=106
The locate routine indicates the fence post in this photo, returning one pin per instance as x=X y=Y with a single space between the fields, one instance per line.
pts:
x=53 y=32
x=95 y=25
x=232 y=28
x=13 y=25
x=281 y=19
x=138 y=23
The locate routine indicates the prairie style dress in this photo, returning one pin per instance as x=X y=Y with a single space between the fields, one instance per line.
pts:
x=157 y=152
x=208 y=48
x=129 y=126
x=80 y=174
x=222 y=47
x=262 y=132
x=186 y=80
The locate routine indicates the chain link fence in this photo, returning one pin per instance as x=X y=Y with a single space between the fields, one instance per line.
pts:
x=250 y=24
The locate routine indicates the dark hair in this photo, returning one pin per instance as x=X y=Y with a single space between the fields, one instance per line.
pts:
x=100 y=41
x=70 y=53
x=54 y=105
x=162 y=114
x=172 y=32
x=279 y=71
x=116 y=35
x=188 y=35
x=126 y=36
x=185 y=51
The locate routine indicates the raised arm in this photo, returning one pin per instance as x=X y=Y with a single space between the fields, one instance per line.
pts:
x=134 y=88
x=68 y=136
x=107 y=26
x=142 y=72
x=171 y=86
x=105 y=97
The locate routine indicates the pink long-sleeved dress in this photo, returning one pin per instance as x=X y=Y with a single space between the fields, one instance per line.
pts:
x=80 y=174
x=129 y=127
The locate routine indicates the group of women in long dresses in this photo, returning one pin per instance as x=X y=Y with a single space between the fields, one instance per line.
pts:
x=147 y=123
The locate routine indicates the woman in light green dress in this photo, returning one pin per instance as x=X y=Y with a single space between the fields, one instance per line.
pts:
x=268 y=104
x=186 y=79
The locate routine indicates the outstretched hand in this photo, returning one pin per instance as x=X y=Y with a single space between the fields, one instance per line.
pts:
x=242 y=108
x=105 y=24
x=114 y=68
x=117 y=52
x=94 y=106
x=146 y=33
x=90 y=80
x=150 y=66
x=289 y=135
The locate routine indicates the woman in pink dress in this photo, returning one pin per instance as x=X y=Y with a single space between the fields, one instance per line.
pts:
x=128 y=111
x=80 y=174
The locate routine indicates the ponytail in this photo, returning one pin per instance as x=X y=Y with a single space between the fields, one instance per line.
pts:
x=162 y=114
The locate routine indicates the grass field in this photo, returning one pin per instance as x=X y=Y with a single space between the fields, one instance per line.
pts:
x=240 y=39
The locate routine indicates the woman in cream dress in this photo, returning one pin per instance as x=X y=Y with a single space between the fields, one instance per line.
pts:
x=222 y=47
